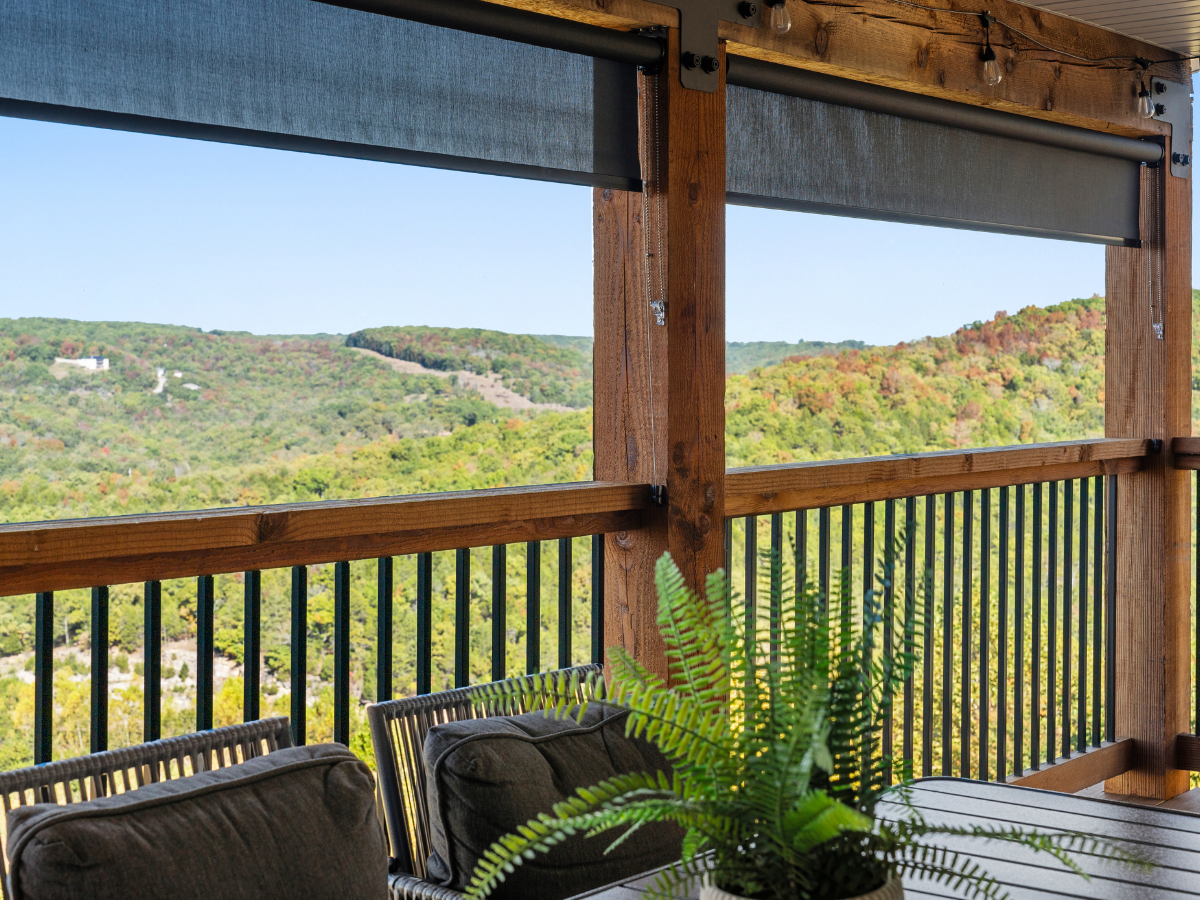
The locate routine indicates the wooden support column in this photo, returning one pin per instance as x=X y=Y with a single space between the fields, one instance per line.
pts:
x=693 y=136
x=659 y=414
x=1148 y=395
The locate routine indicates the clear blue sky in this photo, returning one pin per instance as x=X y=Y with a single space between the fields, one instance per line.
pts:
x=105 y=225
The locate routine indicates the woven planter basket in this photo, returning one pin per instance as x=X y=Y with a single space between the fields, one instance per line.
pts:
x=893 y=890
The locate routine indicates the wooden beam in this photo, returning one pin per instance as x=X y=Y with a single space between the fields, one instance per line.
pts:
x=1081 y=769
x=51 y=556
x=1185 y=453
x=630 y=387
x=693 y=150
x=885 y=42
x=1148 y=394
x=759 y=490
x=1187 y=752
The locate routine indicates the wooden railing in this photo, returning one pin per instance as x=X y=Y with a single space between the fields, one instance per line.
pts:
x=90 y=553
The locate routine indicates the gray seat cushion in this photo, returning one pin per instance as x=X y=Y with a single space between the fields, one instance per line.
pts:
x=487 y=776
x=297 y=822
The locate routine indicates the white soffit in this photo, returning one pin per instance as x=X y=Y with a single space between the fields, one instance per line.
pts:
x=1173 y=24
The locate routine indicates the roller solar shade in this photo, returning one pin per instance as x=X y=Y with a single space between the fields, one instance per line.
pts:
x=300 y=75
x=796 y=153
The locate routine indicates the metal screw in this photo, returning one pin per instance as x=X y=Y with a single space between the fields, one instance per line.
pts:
x=1181 y=159
x=1159 y=87
x=709 y=64
x=1160 y=109
x=691 y=60
x=747 y=10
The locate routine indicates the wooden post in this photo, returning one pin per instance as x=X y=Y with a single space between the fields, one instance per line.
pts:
x=643 y=406
x=1148 y=394
x=693 y=143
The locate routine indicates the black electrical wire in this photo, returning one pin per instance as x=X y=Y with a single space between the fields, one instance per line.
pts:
x=989 y=19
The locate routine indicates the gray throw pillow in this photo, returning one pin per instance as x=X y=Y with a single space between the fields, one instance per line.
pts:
x=487 y=776
x=299 y=822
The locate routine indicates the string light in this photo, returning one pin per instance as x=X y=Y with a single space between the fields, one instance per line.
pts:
x=992 y=73
x=1145 y=106
x=781 y=20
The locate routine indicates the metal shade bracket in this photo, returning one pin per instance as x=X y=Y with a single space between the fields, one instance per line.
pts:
x=698 y=24
x=1173 y=104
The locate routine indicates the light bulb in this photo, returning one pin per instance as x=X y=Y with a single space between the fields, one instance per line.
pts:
x=1145 y=106
x=992 y=73
x=781 y=21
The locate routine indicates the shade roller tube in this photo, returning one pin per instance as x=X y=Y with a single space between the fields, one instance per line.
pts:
x=798 y=153
x=793 y=82
x=322 y=78
x=510 y=24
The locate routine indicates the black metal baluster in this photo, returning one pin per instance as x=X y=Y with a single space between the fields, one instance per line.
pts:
x=533 y=607
x=43 y=679
x=1068 y=561
x=985 y=629
x=947 y=631
x=910 y=590
x=968 y=545
x=776 y=582
x=500 y=609
x=341 y=653
x=1097 y=604
x=728 y=568
x=99 y=639
x=564 y=602
x=462 y=618
x=424 y=623
x=1081 y=699
x=598 y=598
x=823 y=542
x=1052 y=630
x=252 y=644
x=1110 y=618
x=750 y=569
x=868 y=576
x=205 y=613
x=384 y=592
x=1035 y=650
x=299 y=663
x=1002 y=643
x=844 y=574
x=152 y=665
x=927 y=656
x=801 y=551
x=1019 y=667
x=889 y=624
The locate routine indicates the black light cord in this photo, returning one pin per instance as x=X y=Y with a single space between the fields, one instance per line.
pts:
x=989 y=19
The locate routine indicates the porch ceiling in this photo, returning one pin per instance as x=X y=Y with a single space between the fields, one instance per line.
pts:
x=1173 y=24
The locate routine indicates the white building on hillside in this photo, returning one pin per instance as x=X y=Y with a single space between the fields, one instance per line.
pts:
x=91 y=363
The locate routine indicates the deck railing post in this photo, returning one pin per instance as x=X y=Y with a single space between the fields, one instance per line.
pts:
x=1148 y=395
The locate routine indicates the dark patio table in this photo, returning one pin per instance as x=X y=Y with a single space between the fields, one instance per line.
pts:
x=1169 y=838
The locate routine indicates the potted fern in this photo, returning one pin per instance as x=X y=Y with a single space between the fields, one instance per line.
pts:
x=774 y=734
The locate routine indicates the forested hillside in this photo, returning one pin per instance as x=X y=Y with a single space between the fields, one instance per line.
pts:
x=283 y=419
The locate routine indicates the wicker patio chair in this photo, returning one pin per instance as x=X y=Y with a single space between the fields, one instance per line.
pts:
x=398 y=729
x=117 y=771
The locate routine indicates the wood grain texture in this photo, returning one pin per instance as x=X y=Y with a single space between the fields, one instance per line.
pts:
x=883 y=42
x=767 y=489
x=84 y=552
x=1081 y=769
x=1148 y=395
x=628 y=353
x=1185 y=453
x=1187 y=752
x=694 y=178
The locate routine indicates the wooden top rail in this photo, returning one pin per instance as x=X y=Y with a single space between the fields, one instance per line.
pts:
x=1185 y=452
x=75 y=553
x=758 y=490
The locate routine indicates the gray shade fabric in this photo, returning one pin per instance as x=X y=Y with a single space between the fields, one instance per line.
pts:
x=298 y=822
x=488 y=776
x=792 y=153
x=308 y=76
